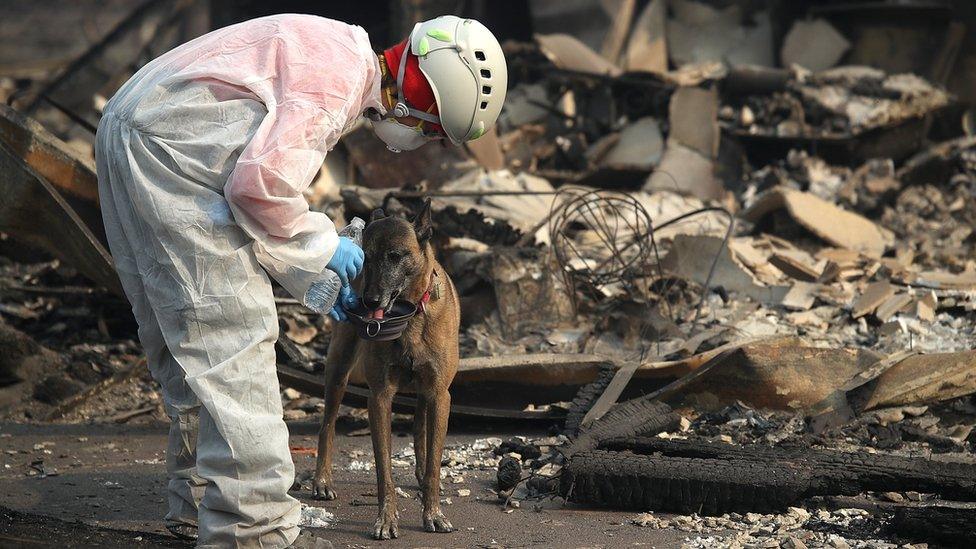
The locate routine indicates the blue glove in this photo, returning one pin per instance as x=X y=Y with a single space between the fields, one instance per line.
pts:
x=347 y=260
x=347 y=300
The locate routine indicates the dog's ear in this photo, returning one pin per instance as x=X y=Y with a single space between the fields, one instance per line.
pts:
x=422 y=224
x=377 y=214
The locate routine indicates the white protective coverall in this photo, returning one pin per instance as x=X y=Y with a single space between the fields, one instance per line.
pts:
x=202 y=157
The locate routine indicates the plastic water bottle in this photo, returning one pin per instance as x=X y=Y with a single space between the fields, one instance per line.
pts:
x=354 y=231
x=322 y=294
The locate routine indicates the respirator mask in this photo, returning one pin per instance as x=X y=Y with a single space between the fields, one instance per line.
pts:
x=397 y=136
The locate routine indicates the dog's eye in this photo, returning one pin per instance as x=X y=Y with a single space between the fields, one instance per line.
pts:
x=393 y=256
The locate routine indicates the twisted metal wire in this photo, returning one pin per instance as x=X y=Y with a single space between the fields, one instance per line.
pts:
x=587 y=229
x=622 y=249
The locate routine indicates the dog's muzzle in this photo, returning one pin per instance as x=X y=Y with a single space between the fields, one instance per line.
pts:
x=388 y=327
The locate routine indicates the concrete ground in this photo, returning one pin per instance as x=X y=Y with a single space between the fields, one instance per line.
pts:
x=113 y=477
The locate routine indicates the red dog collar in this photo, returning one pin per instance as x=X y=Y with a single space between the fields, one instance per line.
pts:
x=424 y=299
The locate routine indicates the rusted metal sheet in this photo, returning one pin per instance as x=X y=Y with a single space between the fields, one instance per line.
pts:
x=922 y=379
x=783 y=374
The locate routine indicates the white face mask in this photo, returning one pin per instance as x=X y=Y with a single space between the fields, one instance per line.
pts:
x=397 y=136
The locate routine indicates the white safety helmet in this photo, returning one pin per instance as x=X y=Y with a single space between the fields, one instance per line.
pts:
x=465 y=67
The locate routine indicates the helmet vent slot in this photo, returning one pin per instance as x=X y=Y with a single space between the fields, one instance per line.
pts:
x=486 y=90
x=485 y=73
x=479 y=55
x=484 y=105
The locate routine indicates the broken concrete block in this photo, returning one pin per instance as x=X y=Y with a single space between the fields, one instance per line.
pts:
x=812 y=318
x=815 y=45
x=825 y=220
x=685 y=171
x=892 y=306
x=567 y=52
x=925 y=306
x=941 y=280
x=800 y=297
x=522 y=106
x=639 y=146
x=693 y=115
x=647 y=48
x=873 y=296
x=797 y=265
x=891 y=328
x=692 y=256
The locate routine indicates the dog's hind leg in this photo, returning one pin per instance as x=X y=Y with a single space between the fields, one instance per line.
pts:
x=438 y=410
x=338 y=365
x=420 y=439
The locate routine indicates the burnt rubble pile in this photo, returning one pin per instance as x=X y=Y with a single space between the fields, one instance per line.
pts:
x=716 y=260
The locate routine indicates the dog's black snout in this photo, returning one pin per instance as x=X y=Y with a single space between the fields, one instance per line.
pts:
x=371 y=303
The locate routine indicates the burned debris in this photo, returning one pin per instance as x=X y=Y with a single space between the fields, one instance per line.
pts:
x=723 y=252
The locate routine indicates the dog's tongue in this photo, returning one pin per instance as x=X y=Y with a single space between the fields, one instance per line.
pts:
x=376 y=314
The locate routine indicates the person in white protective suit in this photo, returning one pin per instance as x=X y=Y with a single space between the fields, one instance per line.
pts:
x=203 y=156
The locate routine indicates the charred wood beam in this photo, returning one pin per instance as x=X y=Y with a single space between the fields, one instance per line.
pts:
x=72 y=89
x=72 y=176
x=129 y=372
x=356 y=396
x=698 y=478
x=623 y=480
x=947 y=524
x=633 y=418
x=585 y=398
x=35 y=213
x=860 y=470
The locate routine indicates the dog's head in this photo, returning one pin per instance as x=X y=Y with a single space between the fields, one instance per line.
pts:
x=396 y=254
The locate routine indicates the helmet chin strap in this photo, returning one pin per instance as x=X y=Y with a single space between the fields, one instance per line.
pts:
x=402 y=109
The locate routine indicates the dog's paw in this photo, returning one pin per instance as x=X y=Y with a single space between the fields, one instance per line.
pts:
x=437 y=522
x=386 y=527
x=322 y=490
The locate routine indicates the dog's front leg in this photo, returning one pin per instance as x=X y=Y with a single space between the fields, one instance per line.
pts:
x=338 y=365
x=438 y=410
x=420 y=440
x=336 y=378
x=380 y=424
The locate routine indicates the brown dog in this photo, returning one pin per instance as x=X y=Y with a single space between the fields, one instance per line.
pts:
x=399 y=262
